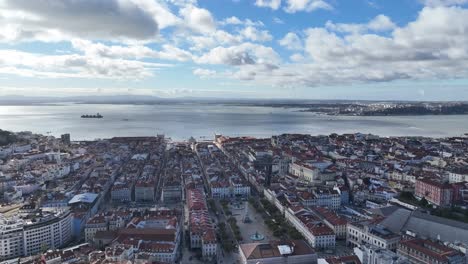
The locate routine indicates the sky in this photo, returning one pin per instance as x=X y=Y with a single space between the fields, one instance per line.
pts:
x=294 y=49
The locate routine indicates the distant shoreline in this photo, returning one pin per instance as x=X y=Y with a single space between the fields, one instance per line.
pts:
x=327 y=108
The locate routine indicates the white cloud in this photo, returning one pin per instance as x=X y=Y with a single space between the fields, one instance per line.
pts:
x=161 y=12
x=116 y=39
x=73 y=65
x=273 y=4
x=230 y=56
x=253 y=34
x=291 y=41
x=444 y=2
x=204 y=73
x=434 y=46
x=258 y=72
x=198 y=19
x=232 y=21
x=207 y=41
x=278 y=20
x=236 y=21
x=294 y=6
x=378 y=24
x=48 y=20
x=381 y=23
x=296 y=57
x=114 y=51
x=244 y=54
x=168 y=52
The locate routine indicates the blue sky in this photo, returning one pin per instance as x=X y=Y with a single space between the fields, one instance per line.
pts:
x=317 y=49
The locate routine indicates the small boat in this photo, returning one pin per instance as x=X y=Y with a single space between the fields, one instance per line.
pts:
x=92 y=116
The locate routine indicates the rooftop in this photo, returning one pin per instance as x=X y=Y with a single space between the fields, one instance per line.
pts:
x=276 y=249
x=83 y=198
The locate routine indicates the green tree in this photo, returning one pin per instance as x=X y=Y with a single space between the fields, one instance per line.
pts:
x=423 y=202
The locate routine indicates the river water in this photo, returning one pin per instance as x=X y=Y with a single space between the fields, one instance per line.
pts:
x=180 y=121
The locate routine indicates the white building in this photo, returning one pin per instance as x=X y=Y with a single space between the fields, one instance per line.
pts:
x=321 y=197
x=22 y=148
x=373 y=255
x=455 y=177
x=305 y=171
x=144 y=191
x=315 y=232
x=95 y=224
x=209 y=244
x=372 y=234
x=322 y=237
x=239 y=187
x=121 y=192
x=11 y=238
x=218 y=190
x=22 y=236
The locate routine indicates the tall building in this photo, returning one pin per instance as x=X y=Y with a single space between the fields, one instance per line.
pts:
x=65 y=139
x=33 y=233
x=262 y=160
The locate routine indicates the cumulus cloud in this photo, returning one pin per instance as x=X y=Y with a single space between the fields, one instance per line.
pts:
x=291 y=41
x=48 y=20
x=378 y=24
x=208 y=41
x=120 y=39
x=381 y=23
x=296 y=57
x=434 y=46
x=198 y=19
x=253 y=34
x=236 y=21
x=232 y=21
x=204 y=73
x=160 y=12
x=73 y=65
x=244 y=54
x=434 y=3
x=168 y=52
x=273 y=4
x=294 y=6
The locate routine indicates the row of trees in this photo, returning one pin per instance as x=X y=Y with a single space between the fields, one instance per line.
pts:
x=235 y=228
x=225 y=205
x=275 y=220
x=226 y=243
x=454 y=213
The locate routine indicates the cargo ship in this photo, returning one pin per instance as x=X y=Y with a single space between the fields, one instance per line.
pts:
x=92 y=116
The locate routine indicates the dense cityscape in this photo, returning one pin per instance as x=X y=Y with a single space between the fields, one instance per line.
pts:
x=233 y=132
x=291 y=198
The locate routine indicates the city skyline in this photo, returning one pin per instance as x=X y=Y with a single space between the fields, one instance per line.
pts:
x=310 y=49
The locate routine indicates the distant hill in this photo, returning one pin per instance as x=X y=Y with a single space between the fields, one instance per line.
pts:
x=149 y=99
x=6 y=137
